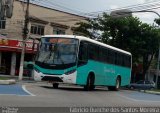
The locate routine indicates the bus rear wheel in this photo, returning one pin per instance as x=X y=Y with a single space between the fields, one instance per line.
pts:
x=117 y=85
x=55 y=85
x=90 y=83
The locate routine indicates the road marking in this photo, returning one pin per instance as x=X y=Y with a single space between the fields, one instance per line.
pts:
x=24 y=88
x=16 y=90
x=129 y=98
x=14 y=95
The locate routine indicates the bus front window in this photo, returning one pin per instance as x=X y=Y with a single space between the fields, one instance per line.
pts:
x=57 y=51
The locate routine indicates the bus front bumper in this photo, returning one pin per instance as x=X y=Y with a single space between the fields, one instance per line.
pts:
x=71 y=78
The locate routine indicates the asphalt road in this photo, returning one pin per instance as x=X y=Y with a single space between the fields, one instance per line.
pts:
x=41 y=97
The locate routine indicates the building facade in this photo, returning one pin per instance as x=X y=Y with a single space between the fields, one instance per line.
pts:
x=42 y=21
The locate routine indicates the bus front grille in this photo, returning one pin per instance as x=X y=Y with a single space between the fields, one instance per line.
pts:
x=51 y=78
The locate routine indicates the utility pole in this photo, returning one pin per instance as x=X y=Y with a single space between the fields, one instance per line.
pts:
x=25 y=36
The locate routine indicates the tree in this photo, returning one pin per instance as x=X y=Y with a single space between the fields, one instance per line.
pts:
x=127 y=33
x=157 y=20
x=150 y=45
x=88 y=29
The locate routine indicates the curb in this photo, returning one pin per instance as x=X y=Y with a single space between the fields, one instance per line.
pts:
x=7 y=82
x=150 y=92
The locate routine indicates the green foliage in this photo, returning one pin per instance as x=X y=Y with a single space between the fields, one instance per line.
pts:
x=127 y=33
x=3 y=78
x=157 y=21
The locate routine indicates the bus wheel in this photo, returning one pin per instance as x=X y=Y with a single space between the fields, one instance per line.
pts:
x=117 y=86
x=90 y=83
x=92 y=87
x=55 y=85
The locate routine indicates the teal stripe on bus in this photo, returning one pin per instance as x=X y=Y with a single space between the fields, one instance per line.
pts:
x=54 y=72
x=105 y=74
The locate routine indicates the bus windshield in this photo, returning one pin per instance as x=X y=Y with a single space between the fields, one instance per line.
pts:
x=57 y=51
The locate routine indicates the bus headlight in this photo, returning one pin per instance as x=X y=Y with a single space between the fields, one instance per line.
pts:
x=70 y=72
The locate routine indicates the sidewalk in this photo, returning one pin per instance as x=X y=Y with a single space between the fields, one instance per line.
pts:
x=150 y=92
x=16 y=77
x=13 y=79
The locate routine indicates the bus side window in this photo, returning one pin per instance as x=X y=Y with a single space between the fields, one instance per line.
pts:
x=83 y=53
x=128 y=61
x=123 y=60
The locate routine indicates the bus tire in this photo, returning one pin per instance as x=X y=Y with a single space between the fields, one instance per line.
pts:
x=55 y=85
x=90 y=83
x=92 y=87
x=117 y=86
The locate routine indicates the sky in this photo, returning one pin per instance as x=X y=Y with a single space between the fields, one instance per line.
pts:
x=87 y=7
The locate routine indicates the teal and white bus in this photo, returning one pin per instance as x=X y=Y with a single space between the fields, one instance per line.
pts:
x=82 y=61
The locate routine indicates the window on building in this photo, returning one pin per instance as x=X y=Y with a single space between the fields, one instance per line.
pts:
x=2 y=24
x=37 y=29
x=58 y=31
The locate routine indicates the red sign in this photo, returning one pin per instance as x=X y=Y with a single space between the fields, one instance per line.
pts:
x=17 y=44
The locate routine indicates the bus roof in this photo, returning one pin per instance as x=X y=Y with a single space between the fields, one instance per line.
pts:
x=89 y=40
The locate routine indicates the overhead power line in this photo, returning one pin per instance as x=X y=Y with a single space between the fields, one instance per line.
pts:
x=133 y=7
x=138 y=7
x=48 y=3
x=94 y=14
x=127 y=7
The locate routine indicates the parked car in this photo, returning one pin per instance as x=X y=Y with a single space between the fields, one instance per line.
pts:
x=142 y=84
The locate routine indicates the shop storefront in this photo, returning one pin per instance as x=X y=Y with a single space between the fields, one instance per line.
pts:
x=10 y=53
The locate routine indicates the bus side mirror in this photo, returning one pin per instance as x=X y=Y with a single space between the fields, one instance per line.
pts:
x=30 y=66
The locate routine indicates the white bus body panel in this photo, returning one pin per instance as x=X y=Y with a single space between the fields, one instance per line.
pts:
x=71 y=78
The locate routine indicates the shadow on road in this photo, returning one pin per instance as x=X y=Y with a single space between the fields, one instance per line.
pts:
x=71 y=88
